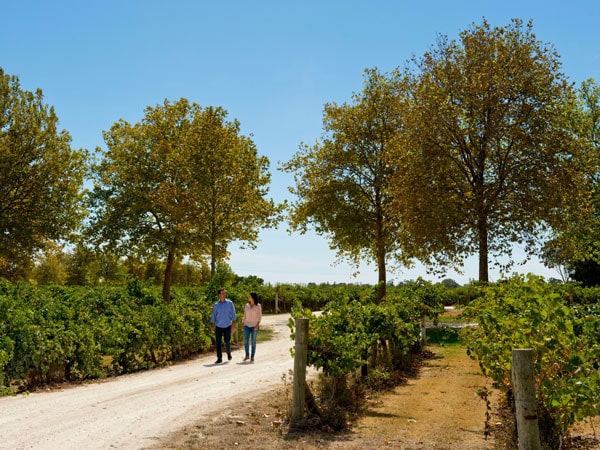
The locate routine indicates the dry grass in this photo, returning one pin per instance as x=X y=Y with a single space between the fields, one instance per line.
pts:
x=437 y=408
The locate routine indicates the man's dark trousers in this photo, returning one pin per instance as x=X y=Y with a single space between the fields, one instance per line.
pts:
x=223 y=333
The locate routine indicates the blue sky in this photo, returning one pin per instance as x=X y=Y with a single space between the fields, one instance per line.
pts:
x=271 y=64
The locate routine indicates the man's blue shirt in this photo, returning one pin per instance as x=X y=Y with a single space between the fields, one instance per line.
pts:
x=223 y=314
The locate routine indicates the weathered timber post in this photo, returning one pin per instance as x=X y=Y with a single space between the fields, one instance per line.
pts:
x=523 y=380
x=300 y=358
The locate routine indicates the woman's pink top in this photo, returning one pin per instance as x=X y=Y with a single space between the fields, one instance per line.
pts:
x=252 y=315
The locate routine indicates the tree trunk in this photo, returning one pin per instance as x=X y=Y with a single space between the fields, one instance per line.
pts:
x=364 y=369
x=382 y=280
x=311 y=403
x=213 y=259
x=166 y=292
x=483 y=250
x=381 y=253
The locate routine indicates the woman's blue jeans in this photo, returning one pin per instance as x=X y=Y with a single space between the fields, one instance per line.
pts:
x=247 y=332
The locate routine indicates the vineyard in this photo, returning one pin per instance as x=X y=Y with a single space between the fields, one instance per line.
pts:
x=60 y=333
x=55 y=333
x=562 y=326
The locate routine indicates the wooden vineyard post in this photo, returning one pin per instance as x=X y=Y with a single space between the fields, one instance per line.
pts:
x=299 y=382
x=523 y=380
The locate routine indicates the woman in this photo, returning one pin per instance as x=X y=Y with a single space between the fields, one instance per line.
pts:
x=251 y=323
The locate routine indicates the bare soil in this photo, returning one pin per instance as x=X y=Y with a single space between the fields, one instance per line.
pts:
x=439 y=408
x=201 y=405
x=137 y=410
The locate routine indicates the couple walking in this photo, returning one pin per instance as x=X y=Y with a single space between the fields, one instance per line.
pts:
x=223 y=322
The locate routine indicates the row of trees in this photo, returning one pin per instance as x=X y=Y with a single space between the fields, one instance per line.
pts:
x=181 y=184
x=479 y=144
x=82 y=266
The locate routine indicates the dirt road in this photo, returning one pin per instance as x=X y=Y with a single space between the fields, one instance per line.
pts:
x=134 y=411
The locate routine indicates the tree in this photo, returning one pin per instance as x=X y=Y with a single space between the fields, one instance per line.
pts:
x=589 y=113
x=449 y=283
x=575 y=251
x=488 y=158
x=234 y=184
x=342 y=182
x=192 y=273
x=41 y=177
x=82 y=266
x=50 y=266
x=111 y=268
x=587 y=272
x=182 y=182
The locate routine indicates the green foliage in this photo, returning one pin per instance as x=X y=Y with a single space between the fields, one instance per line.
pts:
x=41 y=177
x=565 y=338
x=182 y=182
x=429 y=299
x=343 y=333
x=342 y=182
x=43 y=329
x=50 y=267
x=338 y=338
x=355 y=331
x=443 y=335
x=450 y=283
x=576 y=249
x=488 y=159
x=63 y=333
x=576 y=294
x=465 y=294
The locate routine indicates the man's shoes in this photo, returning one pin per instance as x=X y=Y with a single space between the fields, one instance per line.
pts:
x=218 y=361
x=252 y=359
x=246 y=358
x=229 y=356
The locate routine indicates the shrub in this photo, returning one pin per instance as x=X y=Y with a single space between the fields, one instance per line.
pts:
x=529 y=313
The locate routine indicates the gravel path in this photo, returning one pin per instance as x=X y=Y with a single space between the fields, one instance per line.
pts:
x=135 y=411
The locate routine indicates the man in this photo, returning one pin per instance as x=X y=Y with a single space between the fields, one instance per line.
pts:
x=222 y=323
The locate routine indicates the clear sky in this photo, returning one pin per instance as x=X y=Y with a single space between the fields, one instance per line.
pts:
x=271 y=64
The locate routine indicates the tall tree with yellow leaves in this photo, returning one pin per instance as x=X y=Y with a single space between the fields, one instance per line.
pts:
x=342 y=181
x=41 y=178
x=487 y=158
x=182 y=182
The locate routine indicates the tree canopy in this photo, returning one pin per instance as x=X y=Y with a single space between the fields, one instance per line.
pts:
x=487 y=158
x=341 y=183
x=182 y=182
x=41 y=177
x=576 y=249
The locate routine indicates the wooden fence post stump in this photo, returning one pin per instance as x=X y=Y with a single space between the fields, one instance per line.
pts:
x=299 y=381
x=523 y=381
